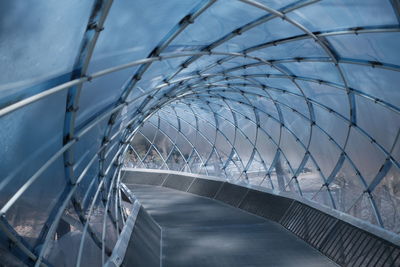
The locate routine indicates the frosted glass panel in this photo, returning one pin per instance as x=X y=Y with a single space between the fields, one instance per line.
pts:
x=27 y=29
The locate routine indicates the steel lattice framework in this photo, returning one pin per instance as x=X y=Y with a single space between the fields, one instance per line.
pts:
x=298 y=96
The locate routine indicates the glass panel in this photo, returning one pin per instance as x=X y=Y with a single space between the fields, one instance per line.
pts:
x=323 y=197
x=379 y=83
x=243 y=147
x=387 y=199
x=131 y=159
x=195 y=163
x=266 y=148
x=314 y=70
x=183 y=145
x=256 y=172
x=297 y=124
x=189 y=131
x=223 y=146
x=248 y=127
x=263 y=33
x=26 y=56
x=346 y=188
x=396 y=151
x=363 y=210
x=221 y=18
x=290 y=50
x=27 y=143
x=336 y=127
x=292 y=149
x=375 y=46
x=214 y=165
x=158 y=71
x=141 y=145
x=236 y=62
x=227 y=129
x=291 y=101
x=251 y=70
x=31 y=211
x=277 y=4
x=153 y=159
x=381 y=123
x=64 y=248
x=338 y=14
x=91 y=250
x=233 y=170
x=366 y=156
x=126 y=38
x=325 y=153
x=101 y=93
x=202 y=64
x=175 y=161
x=281 y=175
x=207 y=129
x=265 y=105
x=327 y=96
x=310 y=180
x=279 y=83
x=272 y=127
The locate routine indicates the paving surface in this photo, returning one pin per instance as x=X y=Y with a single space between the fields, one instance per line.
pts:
x=198 y=231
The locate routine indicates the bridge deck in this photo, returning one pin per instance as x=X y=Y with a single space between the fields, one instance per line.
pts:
x=198 y=231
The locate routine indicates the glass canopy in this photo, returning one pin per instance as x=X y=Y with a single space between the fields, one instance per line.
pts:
x=296 y=96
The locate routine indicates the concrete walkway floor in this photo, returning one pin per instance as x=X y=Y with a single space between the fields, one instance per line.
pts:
x=198 y=231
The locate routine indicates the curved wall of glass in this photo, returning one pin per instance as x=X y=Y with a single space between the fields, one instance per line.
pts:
x=298 y=96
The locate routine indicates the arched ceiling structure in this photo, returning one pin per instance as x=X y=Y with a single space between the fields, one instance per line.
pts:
x=295 y=95
x=293 y=99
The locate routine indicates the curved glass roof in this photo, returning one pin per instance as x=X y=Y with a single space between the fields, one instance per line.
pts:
x=299 y=96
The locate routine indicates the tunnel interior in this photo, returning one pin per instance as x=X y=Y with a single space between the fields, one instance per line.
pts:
x=297 y=98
